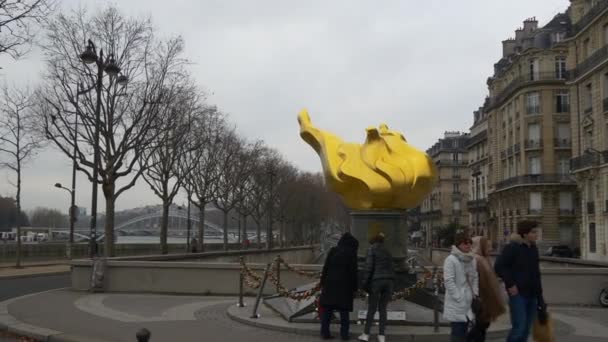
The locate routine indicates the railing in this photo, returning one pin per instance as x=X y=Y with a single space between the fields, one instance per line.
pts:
x=562 y=143
x=451 y=162
x=432 y=213
x=535 y=179
x=591 y=62
x=562 y=108
x=456 y=212
x=590 y=208
x=510 y=151
x=533 y=144
x=477 y=204
x=503 y=154
x=477 y=138
x=535 y=211
x=586 y=19
x=587 y=160
x=522 y=81
x=566 y=212
x=516 y=148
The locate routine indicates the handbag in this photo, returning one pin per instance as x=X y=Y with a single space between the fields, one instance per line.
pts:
x=476 y=302
x=543 y=332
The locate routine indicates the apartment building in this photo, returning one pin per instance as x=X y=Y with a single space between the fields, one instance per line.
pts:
x=529 y=136
x=477 y=147
x=447 y=203
x=588 y=79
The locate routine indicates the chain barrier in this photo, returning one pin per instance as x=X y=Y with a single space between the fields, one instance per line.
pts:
x=309 y=274
x=250 y=278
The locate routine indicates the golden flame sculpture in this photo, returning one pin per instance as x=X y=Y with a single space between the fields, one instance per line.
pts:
x=383 y=173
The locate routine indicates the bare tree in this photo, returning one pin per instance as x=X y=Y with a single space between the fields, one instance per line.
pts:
x=283 y=195
x=208 y=132
x=166 y=159
x=18 y=140
x=17 y=21
x=127 y=114
x=236 y=164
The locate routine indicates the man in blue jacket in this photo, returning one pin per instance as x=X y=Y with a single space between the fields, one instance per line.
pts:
x=518 y=266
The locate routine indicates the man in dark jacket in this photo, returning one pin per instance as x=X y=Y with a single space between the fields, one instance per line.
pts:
x=338 y=285
x=380 y=278
x=518 y=266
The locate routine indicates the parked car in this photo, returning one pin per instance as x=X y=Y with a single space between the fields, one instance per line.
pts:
x=560 y=251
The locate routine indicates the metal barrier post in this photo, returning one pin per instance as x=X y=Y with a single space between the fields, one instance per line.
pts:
x=143 y=335
x=241 y=280
x=259 y=297
x=435 y=301
x=278 y=271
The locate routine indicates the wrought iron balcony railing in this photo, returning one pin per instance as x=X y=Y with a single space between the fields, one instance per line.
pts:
x=562 y=143
x=586 y=19
x=535 y=180
x=533 y=144
x=585 y=161
x=598 y=57
x=523 y=81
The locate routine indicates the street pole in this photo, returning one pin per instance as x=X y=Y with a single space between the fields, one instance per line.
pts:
x=188 y=224
x=269 y=228
x=73 y=191
x=96 y=158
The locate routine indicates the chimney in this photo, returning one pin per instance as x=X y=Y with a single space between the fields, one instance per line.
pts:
x=508 y=47
x=530 y=25
x=576 y=10
x=519 y=35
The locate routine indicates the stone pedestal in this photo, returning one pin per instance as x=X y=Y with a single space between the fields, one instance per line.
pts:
x=366 y=224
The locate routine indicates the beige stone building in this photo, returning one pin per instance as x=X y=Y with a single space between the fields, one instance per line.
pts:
x=588 y=80
x=529 y=135
x=477 y=147
x=448 y=201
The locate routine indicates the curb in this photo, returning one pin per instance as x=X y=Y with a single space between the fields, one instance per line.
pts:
x=431 y=337
x=13 y=325
x=33 y=275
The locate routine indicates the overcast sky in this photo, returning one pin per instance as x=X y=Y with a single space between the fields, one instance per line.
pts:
x=419 y=66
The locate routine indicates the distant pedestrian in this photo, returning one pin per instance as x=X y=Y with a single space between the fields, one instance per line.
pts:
x=461 y=286
x=246 y=243
x=490 y=294
x=194 y=245
x=338 y=285
x=518 y=266
x=379 y=283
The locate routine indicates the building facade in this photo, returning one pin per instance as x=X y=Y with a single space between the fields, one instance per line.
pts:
x=477 y=147
x=447 y=203
x=588 y=80
x=529 y=136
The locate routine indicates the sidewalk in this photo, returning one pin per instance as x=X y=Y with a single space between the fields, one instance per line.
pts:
x=65 y=315
x=33 y=269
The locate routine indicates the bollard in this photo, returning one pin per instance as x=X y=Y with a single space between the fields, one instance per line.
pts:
x=241 y=280
x=435 y=301
x=278 y=271
x=259 y=297
x=143 y=335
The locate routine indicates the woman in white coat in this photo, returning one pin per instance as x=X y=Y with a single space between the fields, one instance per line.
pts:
x=461 y=285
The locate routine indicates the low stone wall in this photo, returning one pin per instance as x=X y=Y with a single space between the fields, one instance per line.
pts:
x=180 y=274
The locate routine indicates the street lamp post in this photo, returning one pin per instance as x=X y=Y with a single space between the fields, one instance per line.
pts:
x=89 y=56
x=269 y=237
x=72 y=211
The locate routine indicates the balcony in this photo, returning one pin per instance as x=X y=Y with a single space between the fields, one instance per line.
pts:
x=477 y=139
x=523 y=81
x=562 y=143
x=456 y=212
x=503 y=154
x=535 y=212
x=596 y=10
x=597 y=58
x=590 y=208
x=450 y=162
x=431 y=214
x=541 y=179
x=585 y=161
x=477 y=204
x=533 y=144
x=566 y=212
x=516 y=148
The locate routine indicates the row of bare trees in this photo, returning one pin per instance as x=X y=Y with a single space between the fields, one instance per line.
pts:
x=157 y=127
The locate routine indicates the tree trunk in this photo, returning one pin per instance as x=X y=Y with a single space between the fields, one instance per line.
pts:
x=259 y=232
x=108 y=191
x=281 y=233
x=164 y=223
x=18 y=263
x=245 y=237
x=201 y=228
x=225 y=230
x=238 y=237
x=188 y=227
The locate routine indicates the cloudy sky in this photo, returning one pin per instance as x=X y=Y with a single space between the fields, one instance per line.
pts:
x=419 y=66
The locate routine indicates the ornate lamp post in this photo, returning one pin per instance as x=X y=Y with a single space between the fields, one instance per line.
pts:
x=89 y=56
x=72 y=211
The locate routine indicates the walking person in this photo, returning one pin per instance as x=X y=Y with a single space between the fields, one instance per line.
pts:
x=338 y=285
x=518 y=266
x=461 y=286
x=380 y=278
x=490 y=293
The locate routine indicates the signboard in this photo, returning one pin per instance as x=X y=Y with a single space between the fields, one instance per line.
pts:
x=390 y=315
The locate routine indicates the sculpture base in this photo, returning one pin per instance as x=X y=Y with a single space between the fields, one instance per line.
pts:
x=367 y=224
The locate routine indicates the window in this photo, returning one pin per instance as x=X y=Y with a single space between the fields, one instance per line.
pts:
x=592 y=238
x=536 y=202
x=533 y=103
x=560 y=67
x=563 y=166
x=605 y=34
x=534 y=167
x=566 y=234
x=456 y=188
x=585 y=50
x=534 y=70
x=511 y=173
x=588 y=98
x=534 y=135
x=562 y=101
x=563 y=131
x=455 y=157
x=456 y=205
x=565 y=201
x=557 y=37
x=588 y=142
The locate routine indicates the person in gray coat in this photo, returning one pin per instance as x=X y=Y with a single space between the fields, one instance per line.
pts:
x=379 y=283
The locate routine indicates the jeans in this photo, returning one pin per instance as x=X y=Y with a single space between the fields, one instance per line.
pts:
x=459 y=331
x=326 y=317
x=523 y=311
x=381 y=292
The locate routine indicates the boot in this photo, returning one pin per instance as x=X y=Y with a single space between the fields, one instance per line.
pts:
x=363 y=337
